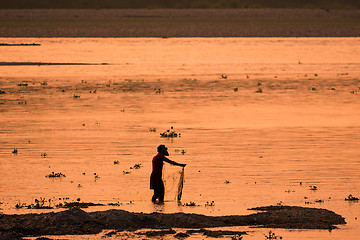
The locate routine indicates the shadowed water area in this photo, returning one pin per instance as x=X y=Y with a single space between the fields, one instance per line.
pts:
x=262 y=120
x=179 y=23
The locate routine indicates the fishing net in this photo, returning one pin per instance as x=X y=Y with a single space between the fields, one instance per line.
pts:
x=173 y=179
x=180 y=185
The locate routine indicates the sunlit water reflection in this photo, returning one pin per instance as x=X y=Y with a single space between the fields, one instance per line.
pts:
x=301 y=129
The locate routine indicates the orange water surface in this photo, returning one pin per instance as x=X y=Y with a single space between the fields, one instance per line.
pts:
x=261 y=120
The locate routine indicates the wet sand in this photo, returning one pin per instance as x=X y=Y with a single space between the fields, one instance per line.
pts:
x=77 y=221
x=180 y=23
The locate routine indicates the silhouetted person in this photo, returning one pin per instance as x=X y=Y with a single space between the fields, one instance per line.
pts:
x=156 y=181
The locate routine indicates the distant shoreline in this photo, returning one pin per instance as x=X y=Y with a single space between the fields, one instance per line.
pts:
x=179 y=23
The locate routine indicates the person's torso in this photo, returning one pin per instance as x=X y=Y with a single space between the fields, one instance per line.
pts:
x=157 y=164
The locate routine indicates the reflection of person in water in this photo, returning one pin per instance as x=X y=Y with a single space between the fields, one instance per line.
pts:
x=156 y=181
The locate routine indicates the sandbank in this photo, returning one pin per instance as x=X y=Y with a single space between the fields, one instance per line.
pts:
x=76 y=221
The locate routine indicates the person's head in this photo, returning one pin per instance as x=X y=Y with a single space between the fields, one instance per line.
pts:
x=163 y=150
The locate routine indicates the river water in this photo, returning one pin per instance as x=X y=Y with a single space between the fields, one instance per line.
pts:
x=261 y=121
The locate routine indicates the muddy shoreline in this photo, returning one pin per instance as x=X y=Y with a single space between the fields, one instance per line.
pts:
x=76 y=221
x=179 y=23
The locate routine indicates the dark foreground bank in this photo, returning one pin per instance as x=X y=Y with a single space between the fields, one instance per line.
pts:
x=76 y=222
x=179 y=23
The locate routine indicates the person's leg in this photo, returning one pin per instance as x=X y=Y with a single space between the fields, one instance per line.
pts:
x=161 y=192
x=156 y=194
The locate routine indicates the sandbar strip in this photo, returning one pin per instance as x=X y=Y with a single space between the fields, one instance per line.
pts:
x=76 y=221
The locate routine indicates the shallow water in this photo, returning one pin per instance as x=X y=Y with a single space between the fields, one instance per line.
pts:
x=303 y=129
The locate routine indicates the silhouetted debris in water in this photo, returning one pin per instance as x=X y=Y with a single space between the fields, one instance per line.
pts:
x=215 y=233
x=170 y=133
x=39 y=204
x=210 y=204
x=46 y=64
x=136 y=166
x=2 y=91
x=15 y=151
x=351 y=198
x=78 y=204
x=259 y=90
x=237 y=237
x=157 y=233
x=20 y=44
x=55 y=175
x=190 y=204
x=272 y=236
x=181 y=151
x=96 y=176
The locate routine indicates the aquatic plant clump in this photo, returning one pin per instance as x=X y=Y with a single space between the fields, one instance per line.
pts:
x=39 y=204
x=210 y=204
x=190 y=204
x=170 y=133
x=55 y=175
x=351 y=198
x=136 y=166
x=272 y=236
x=78 y=204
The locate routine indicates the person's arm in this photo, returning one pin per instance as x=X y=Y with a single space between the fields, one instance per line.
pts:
x=174 y=163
